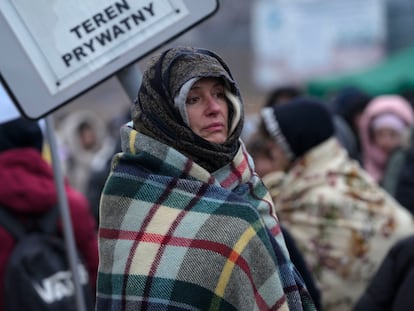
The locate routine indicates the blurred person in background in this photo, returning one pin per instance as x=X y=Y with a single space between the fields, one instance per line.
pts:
x=285 y=94
x=391 y=288
x=185 y=221
x=348 y=104
x=341 y=220
x=382 y=126
x=101 y=164
x=398 y=177
x=266 y=158
x=28 y=190
x=83 y=138
x=278 y=95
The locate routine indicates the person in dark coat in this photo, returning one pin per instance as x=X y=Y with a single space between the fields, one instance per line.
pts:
x=28 y=190
x=391 y=288
x=399 y=173
x=299 y=261
x=348 y=105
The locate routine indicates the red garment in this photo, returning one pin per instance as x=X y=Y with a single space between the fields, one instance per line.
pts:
x=27 y=187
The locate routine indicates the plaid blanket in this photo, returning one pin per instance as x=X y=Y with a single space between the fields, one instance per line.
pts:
x=173 y=236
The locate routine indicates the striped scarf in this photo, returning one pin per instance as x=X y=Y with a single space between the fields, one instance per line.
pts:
x=174 y=236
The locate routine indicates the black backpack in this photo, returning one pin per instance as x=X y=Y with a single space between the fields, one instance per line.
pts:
x=38 y=275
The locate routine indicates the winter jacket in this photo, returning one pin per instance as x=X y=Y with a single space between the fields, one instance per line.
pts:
x=28 y=189
x=299 y=261
x=391 y=289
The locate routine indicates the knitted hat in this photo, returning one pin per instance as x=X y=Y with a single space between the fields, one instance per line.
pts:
x=349 y=102
x=389 y=120
x=20 y=133
x=299 y=125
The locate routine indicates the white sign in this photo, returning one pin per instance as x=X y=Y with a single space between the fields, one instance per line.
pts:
x=294 y=40
x=7 y=108
x=63 y=43
x=67 y=47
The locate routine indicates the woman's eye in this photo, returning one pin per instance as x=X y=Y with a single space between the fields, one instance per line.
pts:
x=192 y=100
x=219 y=94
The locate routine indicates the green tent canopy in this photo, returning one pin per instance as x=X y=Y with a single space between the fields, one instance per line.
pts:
x=393 y=76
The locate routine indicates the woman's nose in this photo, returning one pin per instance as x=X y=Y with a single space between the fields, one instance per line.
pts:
x=213 y=103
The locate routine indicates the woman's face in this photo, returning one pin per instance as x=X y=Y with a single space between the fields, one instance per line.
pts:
x=275 y=161
x=207 y=110
x=387 y=139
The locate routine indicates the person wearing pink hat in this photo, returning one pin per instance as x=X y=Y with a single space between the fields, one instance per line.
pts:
x=382 y=126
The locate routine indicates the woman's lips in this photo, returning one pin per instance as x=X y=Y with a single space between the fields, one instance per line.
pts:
x=217 y=126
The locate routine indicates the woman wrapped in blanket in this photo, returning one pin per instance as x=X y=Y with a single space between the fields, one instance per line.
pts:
x=186 y=223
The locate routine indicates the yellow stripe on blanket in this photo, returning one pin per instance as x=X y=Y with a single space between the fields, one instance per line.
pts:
x=228 y=267
x=132 y=141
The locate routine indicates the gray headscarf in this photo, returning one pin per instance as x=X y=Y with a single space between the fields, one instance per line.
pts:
x=157 y=115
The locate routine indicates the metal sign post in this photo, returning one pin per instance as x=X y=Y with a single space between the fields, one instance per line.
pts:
x=70 y=244
x=9 y=112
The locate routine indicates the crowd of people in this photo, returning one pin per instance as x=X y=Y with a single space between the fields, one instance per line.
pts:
x=342 y=220
x=308 y=206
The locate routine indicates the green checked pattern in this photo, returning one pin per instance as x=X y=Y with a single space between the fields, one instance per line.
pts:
x=175 y=237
